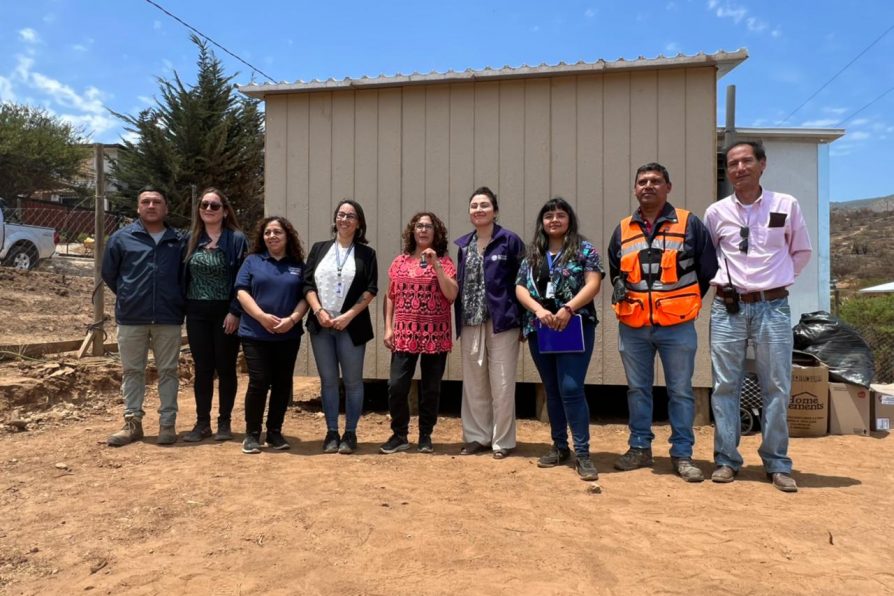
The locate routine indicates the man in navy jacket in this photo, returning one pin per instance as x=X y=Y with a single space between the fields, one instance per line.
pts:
x=142 y=265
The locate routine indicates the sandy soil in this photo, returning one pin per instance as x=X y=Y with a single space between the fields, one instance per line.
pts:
x=79 y=517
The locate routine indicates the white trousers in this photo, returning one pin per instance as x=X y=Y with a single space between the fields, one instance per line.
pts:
x=490 y=361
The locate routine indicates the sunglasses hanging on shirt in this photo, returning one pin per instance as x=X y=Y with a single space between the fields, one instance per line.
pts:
x=743 y=244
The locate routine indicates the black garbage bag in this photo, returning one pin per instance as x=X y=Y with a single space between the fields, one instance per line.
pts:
x=838 y=346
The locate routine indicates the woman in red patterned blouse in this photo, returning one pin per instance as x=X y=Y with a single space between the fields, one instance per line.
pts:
x=422 y=286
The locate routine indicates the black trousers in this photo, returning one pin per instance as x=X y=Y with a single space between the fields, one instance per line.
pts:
x=403 y=364
x=213 y=351
x=271 y=367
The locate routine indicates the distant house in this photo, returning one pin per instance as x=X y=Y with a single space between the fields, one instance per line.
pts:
x=402 y=143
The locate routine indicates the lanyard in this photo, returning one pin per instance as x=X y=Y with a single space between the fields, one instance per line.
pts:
x=339 y=265
x=551 y=261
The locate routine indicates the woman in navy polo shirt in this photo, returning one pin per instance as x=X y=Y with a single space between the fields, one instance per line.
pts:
x=488 y=318
x=270 y=288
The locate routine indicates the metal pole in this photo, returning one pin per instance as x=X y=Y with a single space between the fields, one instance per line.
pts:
x=729 y=131
x=99 y=242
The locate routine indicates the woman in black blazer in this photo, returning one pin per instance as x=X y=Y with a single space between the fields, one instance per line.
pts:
x=340 y=281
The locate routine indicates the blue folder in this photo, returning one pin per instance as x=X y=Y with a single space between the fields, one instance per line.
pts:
x=570 y=339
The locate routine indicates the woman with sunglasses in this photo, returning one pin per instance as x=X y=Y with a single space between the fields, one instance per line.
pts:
x=488 y=318
x=558 y=279
x=270 y=288
x=215 y=250
x=422 y=285
x=340 y=281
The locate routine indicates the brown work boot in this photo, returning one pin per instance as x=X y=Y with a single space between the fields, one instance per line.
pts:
x=167 y=435
x=130 y=432
x=783 y=482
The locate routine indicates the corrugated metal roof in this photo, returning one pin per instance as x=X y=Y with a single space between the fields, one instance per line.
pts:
x=724 y=61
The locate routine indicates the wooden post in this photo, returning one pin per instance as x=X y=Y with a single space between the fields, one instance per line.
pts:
x=702 y=406
x=540 y=410
x=99 y=226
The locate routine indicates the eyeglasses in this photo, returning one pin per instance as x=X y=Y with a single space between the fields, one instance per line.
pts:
x=743 y=244
x=424 y=226
x=213 y=205
x=344 y=215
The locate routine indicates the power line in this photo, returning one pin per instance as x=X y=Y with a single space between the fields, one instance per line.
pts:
x=835 y=76
x=202 y=35
x=864 y=107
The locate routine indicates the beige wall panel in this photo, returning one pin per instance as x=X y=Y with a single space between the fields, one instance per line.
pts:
x=672 y=147
x=643 y=120
x=537 y=185
x=461 y=168
x=437 y=179
x=319 y=215
x=412 y=153
x=487 y=134
x=389 y=222
x=275 y=142
x=366 y=179
x=343 y=148
x=619 y=201
x=510 y=188
x=590 y=175
x=563 y=140
x=701 y=176
x=672 y=132
x=297 y=202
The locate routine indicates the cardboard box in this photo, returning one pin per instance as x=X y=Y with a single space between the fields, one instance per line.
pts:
x=848 y=409
x=881 y=414
x=808 y=406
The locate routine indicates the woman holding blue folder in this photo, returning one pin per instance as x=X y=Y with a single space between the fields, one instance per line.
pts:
x=556 y=284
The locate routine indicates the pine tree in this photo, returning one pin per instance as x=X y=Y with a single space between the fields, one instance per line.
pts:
x=202 y=135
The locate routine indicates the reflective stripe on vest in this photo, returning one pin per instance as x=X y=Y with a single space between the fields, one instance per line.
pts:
x=662 y=292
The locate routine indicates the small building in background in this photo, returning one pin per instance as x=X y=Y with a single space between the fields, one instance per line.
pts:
x=400 y=144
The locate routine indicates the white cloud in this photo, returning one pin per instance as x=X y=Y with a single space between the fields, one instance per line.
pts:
x=590 y=13
x=83 y=109
x=859 y=135
x=79 y=47
x=6 y=91
x=673 y=48
x=820 y=123
x=50 y=17
x=835 y=110
x=859 y=121
x=29 y=35
x=146 y=99
x=739 y=14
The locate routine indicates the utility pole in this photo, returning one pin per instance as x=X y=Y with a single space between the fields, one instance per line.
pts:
x=99 y=241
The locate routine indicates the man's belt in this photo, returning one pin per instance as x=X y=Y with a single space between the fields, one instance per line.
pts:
x=762 y=296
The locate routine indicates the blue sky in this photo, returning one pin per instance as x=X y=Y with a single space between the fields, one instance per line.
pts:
x=78 y=58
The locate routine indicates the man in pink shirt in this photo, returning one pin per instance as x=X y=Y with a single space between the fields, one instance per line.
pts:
x=762 y=245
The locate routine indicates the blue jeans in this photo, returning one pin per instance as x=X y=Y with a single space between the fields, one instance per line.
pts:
x=331 y=349
x=768 y=326
x=563 y=378
x=676 y=347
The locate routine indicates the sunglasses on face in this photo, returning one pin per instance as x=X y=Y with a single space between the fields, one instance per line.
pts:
x=743 y=234
x=212 y=205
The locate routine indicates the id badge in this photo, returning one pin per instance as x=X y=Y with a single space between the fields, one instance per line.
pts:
x=550 y=290
x=338 y=289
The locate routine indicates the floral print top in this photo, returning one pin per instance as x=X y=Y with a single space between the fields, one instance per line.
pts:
x=567 y=278
x=474 y=300
x=421 y=311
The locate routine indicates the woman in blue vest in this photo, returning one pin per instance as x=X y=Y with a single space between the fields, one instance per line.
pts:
x=488 y=318
x=558 y=279
x=214 y=253
x=270 y=288
x=340 y=281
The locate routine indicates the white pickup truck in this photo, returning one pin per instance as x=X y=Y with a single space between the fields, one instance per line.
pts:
x=23 y=246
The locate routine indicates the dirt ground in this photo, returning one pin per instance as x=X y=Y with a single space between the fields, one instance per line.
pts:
x=77 y=516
